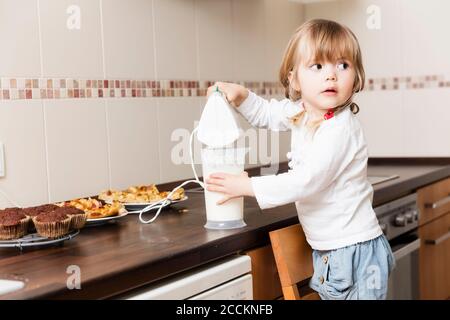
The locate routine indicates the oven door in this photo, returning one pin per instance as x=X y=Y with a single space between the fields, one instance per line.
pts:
x=404 y=280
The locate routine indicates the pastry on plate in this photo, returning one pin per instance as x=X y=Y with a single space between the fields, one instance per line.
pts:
x=177 y=195
x=94 y=208
x=150 y=189
x=111 y=195
x=82 y=204
x=107 y=210
x=139 y=194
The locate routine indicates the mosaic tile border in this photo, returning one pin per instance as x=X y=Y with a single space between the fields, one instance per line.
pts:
x=408 y=82
x=69 y=88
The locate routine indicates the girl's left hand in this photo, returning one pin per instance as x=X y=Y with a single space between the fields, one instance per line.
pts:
x=232 y=185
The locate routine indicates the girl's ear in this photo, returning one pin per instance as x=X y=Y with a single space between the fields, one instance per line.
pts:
x=293 y=81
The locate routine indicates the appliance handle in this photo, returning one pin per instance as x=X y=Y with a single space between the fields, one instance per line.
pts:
x=438 y=203
x=407 y=249
x=438 y=240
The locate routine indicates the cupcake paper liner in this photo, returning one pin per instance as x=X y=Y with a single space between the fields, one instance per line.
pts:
x=16 y=231
x=78 y=220
x=54 y=229
x=31 y=227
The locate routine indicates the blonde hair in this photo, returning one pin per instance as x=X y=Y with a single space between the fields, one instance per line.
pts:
x=321 y=40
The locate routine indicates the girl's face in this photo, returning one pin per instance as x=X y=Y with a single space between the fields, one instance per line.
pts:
x=325 y=85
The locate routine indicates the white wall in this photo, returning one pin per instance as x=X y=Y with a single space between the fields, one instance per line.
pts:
x=62 y=149
x=68 y=148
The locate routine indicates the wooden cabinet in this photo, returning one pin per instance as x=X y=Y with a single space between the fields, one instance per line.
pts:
x=435 y=259
x=434 y=232
x=266 y=282
x=434 y=200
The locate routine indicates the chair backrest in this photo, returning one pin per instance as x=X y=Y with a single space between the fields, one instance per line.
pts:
x=293 y=257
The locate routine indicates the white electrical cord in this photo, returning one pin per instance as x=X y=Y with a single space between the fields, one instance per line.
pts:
x=163 y=202
x=159 y=204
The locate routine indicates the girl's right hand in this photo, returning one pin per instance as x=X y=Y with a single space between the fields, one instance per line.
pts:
x=234 y=93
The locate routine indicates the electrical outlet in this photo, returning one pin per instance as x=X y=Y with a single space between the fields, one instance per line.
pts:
x=2 y=160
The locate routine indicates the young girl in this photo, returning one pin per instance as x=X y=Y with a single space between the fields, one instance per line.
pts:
x=321 y=70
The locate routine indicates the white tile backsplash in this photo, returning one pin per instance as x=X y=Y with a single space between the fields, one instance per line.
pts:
x=282 y=18
x=249 y=48
x=133 y=139
x=22 y=133
x=330 y=10
x=381 y=48
x=19 y=31
x=175 y=39
x=67 y=50
x=128 y=39
x=215 y=39
x=77 y=148
x=425 y=43
x=425 y=122
x=176 y=119
x=382 y=117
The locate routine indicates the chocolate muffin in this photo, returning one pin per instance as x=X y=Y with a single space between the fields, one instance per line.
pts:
x=53 y=224
x=13 y=224
x=13 y=208
x=78 y=217
x=33 y=212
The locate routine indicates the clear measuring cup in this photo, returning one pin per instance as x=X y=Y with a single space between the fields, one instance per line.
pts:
x=229 y=215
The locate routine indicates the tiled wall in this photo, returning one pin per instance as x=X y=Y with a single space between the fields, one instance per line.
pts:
x=95 y=108
x=66 y=135
x=410 y=116
x=56 y=88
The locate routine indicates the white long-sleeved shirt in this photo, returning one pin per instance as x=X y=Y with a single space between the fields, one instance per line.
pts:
x=327 y=178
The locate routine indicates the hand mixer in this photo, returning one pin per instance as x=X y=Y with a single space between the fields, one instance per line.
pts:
x=218 y=127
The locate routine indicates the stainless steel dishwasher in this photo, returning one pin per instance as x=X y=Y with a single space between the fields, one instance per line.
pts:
x=399 y=221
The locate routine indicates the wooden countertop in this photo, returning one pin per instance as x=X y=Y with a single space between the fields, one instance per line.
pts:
x=118 y=257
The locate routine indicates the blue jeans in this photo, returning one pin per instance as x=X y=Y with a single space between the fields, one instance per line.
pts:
x=355 y=272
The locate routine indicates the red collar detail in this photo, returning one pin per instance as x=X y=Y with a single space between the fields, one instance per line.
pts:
x=329 y=114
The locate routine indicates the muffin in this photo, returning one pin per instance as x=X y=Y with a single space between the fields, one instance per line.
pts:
x=12 y=209
x=78 y=217
x=53 y=224
x=33 y=212
x=13 y=224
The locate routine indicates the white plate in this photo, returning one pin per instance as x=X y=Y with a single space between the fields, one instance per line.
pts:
x=134 y=207
x=101 y=221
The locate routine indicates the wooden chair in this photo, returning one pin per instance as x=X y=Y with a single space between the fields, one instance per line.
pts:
x=293 y=257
